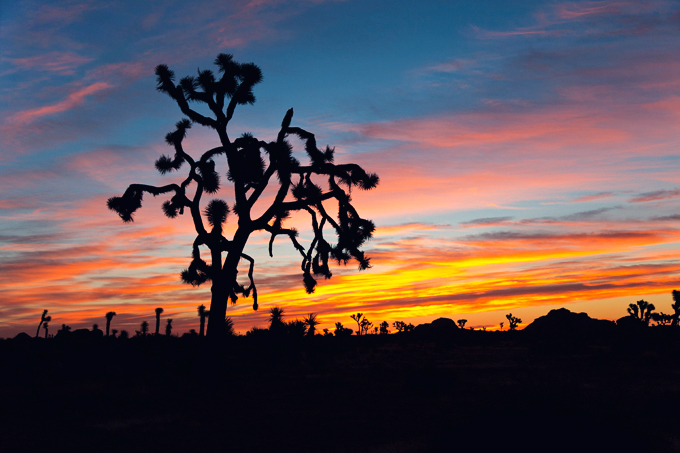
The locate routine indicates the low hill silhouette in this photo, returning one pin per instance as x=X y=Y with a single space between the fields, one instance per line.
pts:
x=441 y=327
x=564 y=323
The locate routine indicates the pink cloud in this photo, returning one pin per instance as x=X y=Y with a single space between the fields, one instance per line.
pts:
x=60 y=62
x=72 y=101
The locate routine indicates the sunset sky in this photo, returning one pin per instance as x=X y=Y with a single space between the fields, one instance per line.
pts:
x=528 y=154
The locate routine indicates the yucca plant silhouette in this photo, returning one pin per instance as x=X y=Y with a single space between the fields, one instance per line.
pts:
x=168 y=328
x=158 y=319
x=46 y=325
x=202 y=313
x=43 y=318
x=276 y=319
x=251 y=165
x=311 y=323
x=145 y=328
x=109 y=317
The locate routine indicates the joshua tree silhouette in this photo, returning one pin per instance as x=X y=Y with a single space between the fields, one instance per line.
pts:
x=145 y=328
x=109 y=317
x=202 y=313
x=676 y=308
x=46 y=325
x=384 y=328
x=168 y=328
x=513 y=321
x=311 y=323
x=250 y=175
x=360 y=319
x=158 y=311
x=114 y=332
x=43 y=318
x=461 y=323
x=276 y=319
x=642 y=311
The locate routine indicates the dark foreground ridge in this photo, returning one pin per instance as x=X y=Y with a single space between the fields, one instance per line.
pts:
x=565 y=383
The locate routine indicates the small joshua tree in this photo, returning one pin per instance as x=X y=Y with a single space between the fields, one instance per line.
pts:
x=359 y=318
x=145 y=328
x=502 y=325
x=202 y=313
x=109 y=317
x=158 y=318
x=642 y=311
x=252 y=166
x=676 y=308
x=114 y=332
x=384 y=328
x=168 y=328
x=46 y=325
x=461 y=323
x=513 y=321
x=43 y=318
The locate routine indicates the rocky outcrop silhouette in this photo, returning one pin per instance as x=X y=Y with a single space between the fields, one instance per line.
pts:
x=565 y=323
x=439 y=328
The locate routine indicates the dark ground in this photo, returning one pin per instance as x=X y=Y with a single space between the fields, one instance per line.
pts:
x=395 y=393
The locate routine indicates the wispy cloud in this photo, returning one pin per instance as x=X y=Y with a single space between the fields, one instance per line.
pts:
x=656 y=195
x=73 y=100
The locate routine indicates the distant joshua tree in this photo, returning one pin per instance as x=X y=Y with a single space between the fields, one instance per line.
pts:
x=401 y=326
x=461 y=323
x=145 y=328
x=642 y=311
x=158 y=319
x=676 y=308
x=502 y=325
x=43 y=318
x=46 y=326
x=114 y=332
x=168 y=328
x=363 y=323
x=513 y=321
x=109 y=317
x=311 y=323
x=124 y=335
x=202 y=313
x=384 y=328
x=327 y=333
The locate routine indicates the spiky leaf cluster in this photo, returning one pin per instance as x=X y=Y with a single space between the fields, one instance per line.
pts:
x=197 y=273
x=211 y=179
x=249 y=162
x=126 y=205
x=216 y=212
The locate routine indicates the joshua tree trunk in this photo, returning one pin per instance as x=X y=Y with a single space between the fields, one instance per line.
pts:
x=220 y=287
